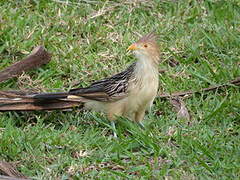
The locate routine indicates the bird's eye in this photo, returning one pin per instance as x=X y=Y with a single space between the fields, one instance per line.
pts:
x=145 y=45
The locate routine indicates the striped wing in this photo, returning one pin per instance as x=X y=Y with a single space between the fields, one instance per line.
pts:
x=109 y=89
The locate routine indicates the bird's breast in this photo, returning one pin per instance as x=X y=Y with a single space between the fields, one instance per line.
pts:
x=144 y=88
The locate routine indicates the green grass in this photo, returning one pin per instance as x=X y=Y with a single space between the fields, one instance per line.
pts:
x=88 y=41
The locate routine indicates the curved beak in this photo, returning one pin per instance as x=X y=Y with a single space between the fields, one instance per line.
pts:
x=132 y=47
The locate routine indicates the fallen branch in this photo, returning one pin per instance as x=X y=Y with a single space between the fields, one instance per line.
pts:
x=10 y=178
x=10 y=171
x=38 y=57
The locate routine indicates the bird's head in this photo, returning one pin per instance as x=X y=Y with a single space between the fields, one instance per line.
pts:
x=146 y=48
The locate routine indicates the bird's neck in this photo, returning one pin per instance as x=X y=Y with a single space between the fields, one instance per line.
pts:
x=148 y=62
x=146 y=66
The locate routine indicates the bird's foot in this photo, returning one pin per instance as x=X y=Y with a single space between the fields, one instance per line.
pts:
x=141 y=125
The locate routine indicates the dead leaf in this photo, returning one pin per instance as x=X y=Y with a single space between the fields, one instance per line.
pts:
x=180 y=108
x=80 y=154
x=72 y=128
x=171 y=131
x=71 y=170
x=159 y=113
x=97 y=167
x=159 y=162
x=173 y=62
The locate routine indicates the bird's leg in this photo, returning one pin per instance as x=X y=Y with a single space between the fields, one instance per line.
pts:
x=141 y=125
x=114 y=111
x=112 y=118
x=139 y=117
x=114 y=129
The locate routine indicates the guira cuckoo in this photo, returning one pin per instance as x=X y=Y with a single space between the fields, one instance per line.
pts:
x=129 y=93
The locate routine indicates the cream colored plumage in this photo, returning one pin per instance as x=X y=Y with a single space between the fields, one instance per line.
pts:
x=142 y=85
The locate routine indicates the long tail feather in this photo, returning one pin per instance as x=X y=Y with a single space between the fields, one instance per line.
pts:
x=23 y=106
x=21 y=101
x=50 y=96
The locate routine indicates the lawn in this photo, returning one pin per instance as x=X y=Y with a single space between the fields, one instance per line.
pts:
x=88 y=41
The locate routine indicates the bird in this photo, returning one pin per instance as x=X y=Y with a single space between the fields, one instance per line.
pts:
x=129 y=93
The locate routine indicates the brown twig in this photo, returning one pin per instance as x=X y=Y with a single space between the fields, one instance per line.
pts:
x=235 y=82
x=38 y=57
